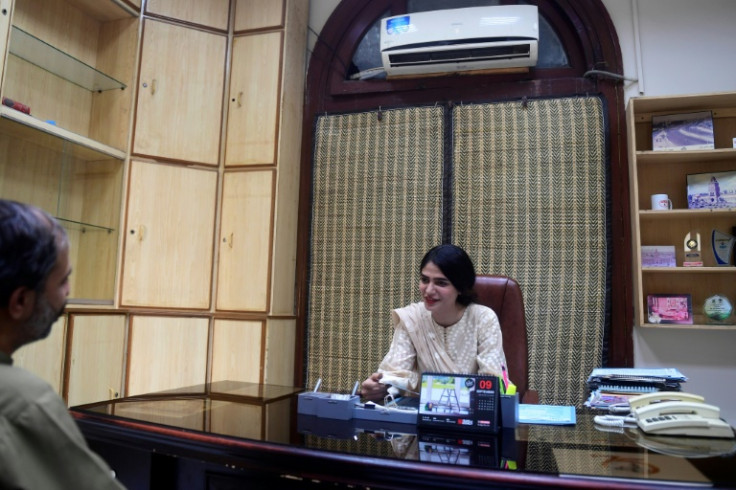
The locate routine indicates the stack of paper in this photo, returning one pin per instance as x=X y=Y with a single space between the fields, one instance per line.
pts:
x=613 y=386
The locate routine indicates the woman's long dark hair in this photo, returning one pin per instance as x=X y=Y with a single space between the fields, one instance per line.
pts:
x=457 y=267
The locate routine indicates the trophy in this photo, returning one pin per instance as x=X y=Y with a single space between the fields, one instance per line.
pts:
x=718 y=309
x=692 y=250
x=722 y=247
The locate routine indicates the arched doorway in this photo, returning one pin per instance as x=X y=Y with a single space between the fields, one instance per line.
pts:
x=582 y=31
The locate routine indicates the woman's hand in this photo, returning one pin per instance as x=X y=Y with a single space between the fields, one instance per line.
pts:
x=372 y=389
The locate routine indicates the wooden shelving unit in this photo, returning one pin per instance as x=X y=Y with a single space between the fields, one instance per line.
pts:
x=653 y=172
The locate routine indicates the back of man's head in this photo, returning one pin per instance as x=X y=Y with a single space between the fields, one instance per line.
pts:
x=29 y=246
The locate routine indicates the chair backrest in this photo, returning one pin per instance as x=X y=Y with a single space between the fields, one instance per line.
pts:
x=503 y=295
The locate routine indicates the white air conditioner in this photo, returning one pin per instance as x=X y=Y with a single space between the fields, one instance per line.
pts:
x=476 y=38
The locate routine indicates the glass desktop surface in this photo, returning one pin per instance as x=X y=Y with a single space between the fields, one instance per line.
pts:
x=268 y=413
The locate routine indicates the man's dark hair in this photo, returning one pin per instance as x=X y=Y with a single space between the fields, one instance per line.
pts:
x=29 y=246
x=457 y=267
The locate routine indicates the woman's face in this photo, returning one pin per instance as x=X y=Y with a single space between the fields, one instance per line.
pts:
x=437 y=291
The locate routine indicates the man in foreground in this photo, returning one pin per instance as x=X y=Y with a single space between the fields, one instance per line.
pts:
x=40 y=444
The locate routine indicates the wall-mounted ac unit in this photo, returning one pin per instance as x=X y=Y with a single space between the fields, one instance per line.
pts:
x=475 y=38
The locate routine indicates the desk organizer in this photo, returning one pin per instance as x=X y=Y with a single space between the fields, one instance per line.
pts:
x=381 y=413
x=307 y=402
x=327 y=405
x=509 y=410
x=337 y=406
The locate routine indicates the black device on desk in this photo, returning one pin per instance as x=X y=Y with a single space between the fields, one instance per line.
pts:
x=459 y=403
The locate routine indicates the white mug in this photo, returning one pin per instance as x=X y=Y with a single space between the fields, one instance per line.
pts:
x=661 y=202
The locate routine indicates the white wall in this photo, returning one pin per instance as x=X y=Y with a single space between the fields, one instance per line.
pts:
x=683 y=47
x=686 y=47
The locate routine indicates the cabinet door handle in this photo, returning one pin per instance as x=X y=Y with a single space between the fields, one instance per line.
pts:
x=240 y=99
x=141 y=233
x=229 y=240
x=153 y=86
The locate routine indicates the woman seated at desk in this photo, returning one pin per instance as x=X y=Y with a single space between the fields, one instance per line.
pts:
x=446 y=332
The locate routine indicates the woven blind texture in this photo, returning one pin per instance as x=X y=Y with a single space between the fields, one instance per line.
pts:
x=529 y=201
x=376 y=209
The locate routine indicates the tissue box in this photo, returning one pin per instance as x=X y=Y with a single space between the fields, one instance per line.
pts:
x=509 y=410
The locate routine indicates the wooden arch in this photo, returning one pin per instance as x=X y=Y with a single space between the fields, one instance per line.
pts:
x=591 y=43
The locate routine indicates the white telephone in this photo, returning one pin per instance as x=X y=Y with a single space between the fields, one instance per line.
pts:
x=678 y=414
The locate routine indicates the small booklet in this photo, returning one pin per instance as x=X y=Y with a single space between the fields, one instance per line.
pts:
x=547 y=414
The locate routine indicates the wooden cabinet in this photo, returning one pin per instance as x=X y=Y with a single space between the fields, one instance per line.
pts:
x=168 y=147
x=278 y=360
x=237 y=350
x=255 y=90
x=5 y=11
x=214 y=14
x=258 y=14
x=665 y=172
x=96 y=358
x=180 y=93
x=46 y=358
x=166 y=352
x=245 y=244
x=169 y=236
x=70 y=63
x=261 y=133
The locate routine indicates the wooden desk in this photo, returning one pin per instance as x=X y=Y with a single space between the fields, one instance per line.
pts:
x=222 y=435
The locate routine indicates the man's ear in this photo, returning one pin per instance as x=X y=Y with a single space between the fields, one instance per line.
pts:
x=21 y=303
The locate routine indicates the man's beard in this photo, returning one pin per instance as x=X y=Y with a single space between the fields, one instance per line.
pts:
x=39 y=324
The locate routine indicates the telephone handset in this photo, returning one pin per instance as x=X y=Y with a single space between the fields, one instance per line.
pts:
x=681 y=414
x=663 y=396
x=678 y=407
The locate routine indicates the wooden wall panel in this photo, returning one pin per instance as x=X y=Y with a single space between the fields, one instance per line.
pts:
x=179 y=107
x=245 y=244
x=45 y=357
x=254 y=100
x=96 y=358
x=166 y=353
x=168 y=245
x=213 y=13
x=288 y=157
x=236 y=351
x=238 y=420
x=258 y=14
x=276 y=414
x=280 y=345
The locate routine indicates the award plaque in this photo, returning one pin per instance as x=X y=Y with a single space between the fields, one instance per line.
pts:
x=693 y=257
x=722 y=247
x=717 y=309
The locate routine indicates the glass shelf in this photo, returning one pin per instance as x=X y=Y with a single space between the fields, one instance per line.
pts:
x=83 y=227
x=28 y=128
x=47 y=57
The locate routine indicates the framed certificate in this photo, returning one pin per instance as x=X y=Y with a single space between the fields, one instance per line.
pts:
x=670 y=308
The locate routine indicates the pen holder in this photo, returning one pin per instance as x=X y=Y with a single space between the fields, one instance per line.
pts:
x=509 y=410
x=307 y=402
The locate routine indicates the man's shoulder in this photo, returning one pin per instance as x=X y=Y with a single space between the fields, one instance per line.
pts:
x=20 y=387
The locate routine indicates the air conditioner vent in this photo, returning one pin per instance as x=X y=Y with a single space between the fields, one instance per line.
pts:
x=490 y=53
x=474 y=38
